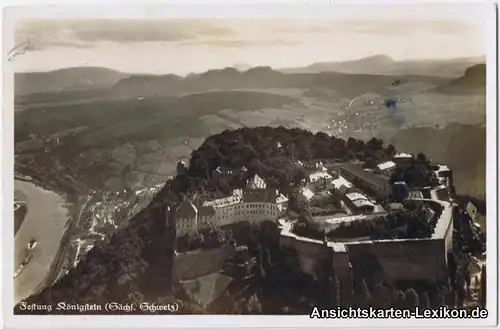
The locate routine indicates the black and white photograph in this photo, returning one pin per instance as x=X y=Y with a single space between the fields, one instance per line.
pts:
x=334 y=163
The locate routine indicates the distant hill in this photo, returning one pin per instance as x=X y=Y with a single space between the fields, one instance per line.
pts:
x=76 y=78
x=384 y=65
x=473 y=81
x=242 y=66
x=73 y=84
x=347 y=85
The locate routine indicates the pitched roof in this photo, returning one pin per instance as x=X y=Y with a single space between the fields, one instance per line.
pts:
x=369 y=177
x=207 y=211
x=186 y=209
x=403 y=156
x=224 y=202
x=319 y=175
x=344 y=189
x=307 y=193
x=341 y=181
x=256 y=182
x=386 y=165
x=259 y=195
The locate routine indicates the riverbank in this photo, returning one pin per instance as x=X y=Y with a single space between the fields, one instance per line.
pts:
x=62 y=251
x=46 y=220
x=19 y=216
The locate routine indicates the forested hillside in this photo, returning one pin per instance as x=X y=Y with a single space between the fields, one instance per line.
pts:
x=134 y=262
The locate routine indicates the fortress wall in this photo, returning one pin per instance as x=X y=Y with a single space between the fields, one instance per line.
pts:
x=310 y=254
x=407 y=260
x=423 y=259
x=448 y=238
x=341 y=267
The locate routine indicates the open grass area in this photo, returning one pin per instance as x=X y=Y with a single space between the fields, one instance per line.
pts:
x=207 y=288
x=200 y=262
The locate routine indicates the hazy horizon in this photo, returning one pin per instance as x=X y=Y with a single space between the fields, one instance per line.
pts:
x=183 y=46
x=472 y=59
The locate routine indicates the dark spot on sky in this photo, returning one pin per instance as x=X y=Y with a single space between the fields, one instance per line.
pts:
x=390 y=103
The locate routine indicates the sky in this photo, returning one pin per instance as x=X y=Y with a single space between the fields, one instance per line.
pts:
x=181 y=46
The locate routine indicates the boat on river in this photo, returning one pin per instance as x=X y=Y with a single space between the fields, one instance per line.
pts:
x=32 y=244
x=23 y=265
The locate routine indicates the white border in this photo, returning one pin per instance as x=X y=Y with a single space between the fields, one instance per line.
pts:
x=298 y=9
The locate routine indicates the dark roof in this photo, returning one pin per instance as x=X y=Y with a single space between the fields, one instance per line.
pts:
x=343 y=189
x=186 y=209
x=207 y=211
x=370 y=177
x=198 y=201
x=259 y=195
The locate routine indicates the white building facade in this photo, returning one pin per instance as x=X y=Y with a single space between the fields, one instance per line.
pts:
x=254 y=203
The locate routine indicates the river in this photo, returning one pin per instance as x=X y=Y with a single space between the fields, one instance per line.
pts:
x=45 y=221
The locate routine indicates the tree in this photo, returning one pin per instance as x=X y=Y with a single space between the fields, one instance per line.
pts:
x=135 y=297
x=370 y=163
x=366 y=296
x=482 y=289
x=253 y=305
x=439 y=300
x=117 y=266
x=411 y=298
x=336 y=291
x=421 y=158
x=424 y=301
x=336 y=198
x=390 y=150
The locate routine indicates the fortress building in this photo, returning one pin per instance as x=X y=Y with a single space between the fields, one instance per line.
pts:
x=255 y=203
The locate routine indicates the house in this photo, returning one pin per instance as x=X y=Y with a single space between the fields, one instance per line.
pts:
x=359 y=203
x=319 y=180
x=386 y=167
x=371 y=183
x=208 y=216
x=443 y=174
x=186 y=218
x=223 y=210
x=306 y=194
x=402 y=160
x=471 y=210
x=342 y=185
x=281 y=201
x=257 y=205
x=254 y=203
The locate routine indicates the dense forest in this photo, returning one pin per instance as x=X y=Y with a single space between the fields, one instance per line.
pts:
x=135 y=263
